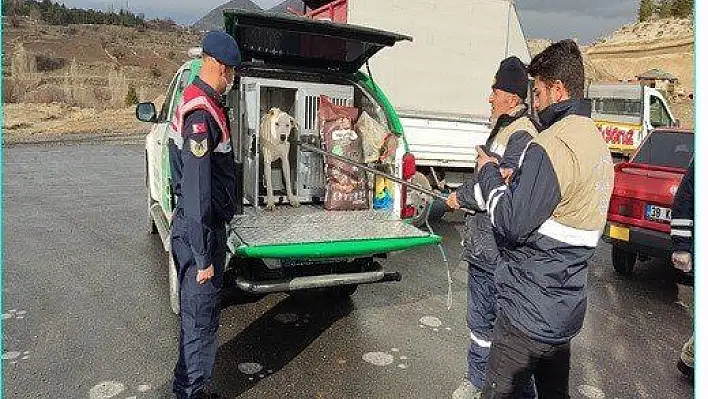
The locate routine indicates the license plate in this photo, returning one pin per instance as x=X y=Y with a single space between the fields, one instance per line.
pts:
x=619 y=232
x=653 y=212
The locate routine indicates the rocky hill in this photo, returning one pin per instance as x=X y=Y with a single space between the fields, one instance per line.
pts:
x=214 y=20
x=666 y=44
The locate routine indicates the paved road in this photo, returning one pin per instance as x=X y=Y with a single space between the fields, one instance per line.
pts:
x=86 y=315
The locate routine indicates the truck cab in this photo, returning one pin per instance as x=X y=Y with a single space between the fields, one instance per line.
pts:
x=625 y=113
x=289 y=62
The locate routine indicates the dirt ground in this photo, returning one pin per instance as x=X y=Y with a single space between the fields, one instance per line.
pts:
x=41 y=122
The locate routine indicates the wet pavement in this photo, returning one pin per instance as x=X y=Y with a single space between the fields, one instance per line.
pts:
x=86 y=314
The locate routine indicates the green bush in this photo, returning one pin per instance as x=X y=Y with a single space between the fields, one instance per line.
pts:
x=132 y=97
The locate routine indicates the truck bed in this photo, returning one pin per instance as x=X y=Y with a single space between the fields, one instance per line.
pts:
x=312 y=232
x=444 y=141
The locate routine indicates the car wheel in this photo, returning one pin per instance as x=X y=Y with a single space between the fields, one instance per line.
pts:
x=623 y=261
x=174 y=284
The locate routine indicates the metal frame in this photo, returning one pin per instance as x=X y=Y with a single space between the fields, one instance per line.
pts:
x=250 y=88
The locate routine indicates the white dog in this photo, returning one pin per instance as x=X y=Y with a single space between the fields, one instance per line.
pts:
x=275 y=130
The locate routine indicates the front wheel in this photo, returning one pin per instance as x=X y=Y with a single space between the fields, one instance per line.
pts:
x=623 y=261
x=174 y=284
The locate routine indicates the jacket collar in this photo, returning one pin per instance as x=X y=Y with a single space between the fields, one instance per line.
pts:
x=208 y=90
x=555 y=112
x=507 y=119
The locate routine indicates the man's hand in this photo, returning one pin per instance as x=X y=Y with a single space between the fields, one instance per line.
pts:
x=506 y=174
x=452 y=201
x=205 y=274
x=682 y=261
x=483 y=158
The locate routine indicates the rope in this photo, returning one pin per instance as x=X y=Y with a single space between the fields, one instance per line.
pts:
x=444 y=258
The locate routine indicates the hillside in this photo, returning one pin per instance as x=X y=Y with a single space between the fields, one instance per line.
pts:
x=84 y=70
x=75 y=78
x=214 y=19
x=666 y=44
x=283 y=7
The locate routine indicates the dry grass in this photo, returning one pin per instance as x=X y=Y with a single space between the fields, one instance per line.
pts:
x=27 y=120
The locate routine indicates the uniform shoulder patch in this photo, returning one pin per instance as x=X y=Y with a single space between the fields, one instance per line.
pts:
x=198 y=148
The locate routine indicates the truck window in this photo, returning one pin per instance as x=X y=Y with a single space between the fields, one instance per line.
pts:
x=164 y=111
x=658 y=115
x=179 y=89
x=666 y=149
x=616 y=106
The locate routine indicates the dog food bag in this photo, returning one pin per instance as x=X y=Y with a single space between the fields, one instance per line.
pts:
x=373 y=134
x=346 y=186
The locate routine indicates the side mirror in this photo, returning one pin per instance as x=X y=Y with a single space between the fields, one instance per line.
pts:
x=145 y=112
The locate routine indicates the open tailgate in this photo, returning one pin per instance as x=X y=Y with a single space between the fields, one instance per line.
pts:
x=286 y=40
x=309 y=232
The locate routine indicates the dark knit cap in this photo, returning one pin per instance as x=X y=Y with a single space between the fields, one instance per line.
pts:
x=511 y=77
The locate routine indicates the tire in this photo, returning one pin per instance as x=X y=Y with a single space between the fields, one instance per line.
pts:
x=623 y=261
x=174 y=285
x=420 y=201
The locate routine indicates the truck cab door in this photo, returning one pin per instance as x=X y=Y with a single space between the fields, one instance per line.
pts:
x=656 y=111
x=155 y=145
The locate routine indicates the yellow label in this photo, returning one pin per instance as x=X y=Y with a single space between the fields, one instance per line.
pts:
x=619 y=233
x=620 y=136
x=198 y=148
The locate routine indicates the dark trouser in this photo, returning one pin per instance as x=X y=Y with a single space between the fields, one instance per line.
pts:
x=481 y=315
x=199 y=304
x=515 y=357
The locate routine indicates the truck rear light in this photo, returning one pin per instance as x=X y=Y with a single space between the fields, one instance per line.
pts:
x=407 y=172
x=408 y=165
x=626 y=207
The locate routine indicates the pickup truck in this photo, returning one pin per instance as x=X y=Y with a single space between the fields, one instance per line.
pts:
x=625 y=113
x=289 y=62
x=639 y=216
x=440 y=82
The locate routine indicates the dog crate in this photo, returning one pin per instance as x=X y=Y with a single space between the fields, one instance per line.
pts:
x=300 y=100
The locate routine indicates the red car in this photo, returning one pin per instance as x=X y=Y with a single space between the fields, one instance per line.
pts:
x=639 y=216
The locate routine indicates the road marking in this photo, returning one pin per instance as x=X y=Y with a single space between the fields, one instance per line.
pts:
x=591 y=392
x=286 y=318
x=11 y=355
x=378 y=358
x=430 y=321
x=106 y=390
x=250 y=368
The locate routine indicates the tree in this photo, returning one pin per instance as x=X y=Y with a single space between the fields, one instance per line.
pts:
x=646 y=9
x=682 y=8
x=665 y=9
x=132 y=97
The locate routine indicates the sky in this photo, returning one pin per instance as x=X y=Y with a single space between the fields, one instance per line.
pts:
x=547 y=19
